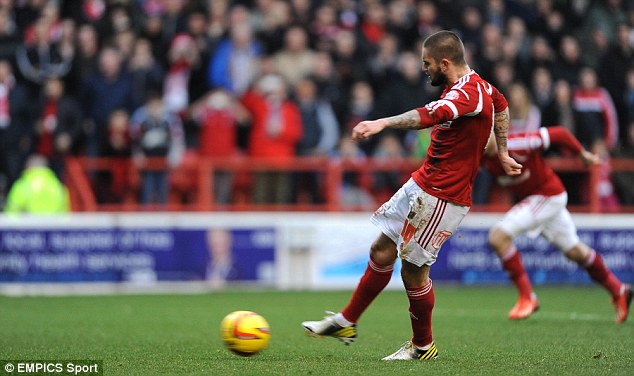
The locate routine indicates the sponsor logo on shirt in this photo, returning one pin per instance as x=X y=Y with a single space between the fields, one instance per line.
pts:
x=452 y=95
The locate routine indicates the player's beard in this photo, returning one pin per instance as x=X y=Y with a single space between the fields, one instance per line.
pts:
x=438 y=79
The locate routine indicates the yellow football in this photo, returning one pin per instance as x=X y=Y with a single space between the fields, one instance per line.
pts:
x=245 y=333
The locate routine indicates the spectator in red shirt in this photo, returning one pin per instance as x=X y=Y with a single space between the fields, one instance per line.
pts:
x=276 y=129
x=218 y=114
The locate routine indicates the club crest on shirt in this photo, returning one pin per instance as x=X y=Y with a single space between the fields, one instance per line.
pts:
x=440 y=238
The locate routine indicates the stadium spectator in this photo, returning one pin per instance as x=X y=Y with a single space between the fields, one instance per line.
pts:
x=351 y=194
x=542 y=55
x=117 y=184
x=503 y=75
x=551 y=23
x=400 y=22
x=595 y=114
x=301 y=11
x=525 y=116
x=271 y=20
x=606 y=15
x=409 y=230
x=106 y=90
x=324 y=28
x=151 y=29
x=348 y=59
x=16 y=119
x=490 y=50
x=9 y=39
x=569 y=63
x=156 y=132
x=542 y=89
x=517 y=32
x=362 y=105
x=275 y=131
x=383 y=64
x=86 y=59
x=320 y=126
x=389 y=147
x=320 y=133
x=197 y=30
x=218 y=115
x=613 y=71
x=295 y=60
x=88 y=12
x=495 y=13
x=427 y=19
x=146 y=73
x=597 y=48
x=471 y=26
x=373 y=23
x=37 y=191
x=406 y=89
x=183 y=58
x=559 y=110
x=328 y=83
x=542 y=210
x=58 y=125
x=42 y=57
x=234 y=65
x=173 y=19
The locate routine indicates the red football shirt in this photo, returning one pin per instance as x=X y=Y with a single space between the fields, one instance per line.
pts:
x=537 y=178
x=462 y=122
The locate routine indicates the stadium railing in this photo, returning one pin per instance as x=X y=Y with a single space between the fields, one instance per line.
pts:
x=192 y=184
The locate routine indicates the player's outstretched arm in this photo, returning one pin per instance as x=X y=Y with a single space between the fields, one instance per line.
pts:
x=589 y=158
x=501 y=129
x=367 y=128
x=560 y=136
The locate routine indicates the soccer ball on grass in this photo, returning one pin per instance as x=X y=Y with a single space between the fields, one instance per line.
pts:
x=245 y=333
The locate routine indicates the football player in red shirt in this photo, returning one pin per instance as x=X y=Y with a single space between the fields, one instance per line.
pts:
x=428 y=208
x=542 y=209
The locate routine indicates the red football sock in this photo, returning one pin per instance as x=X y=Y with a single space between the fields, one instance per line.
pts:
x=421 y=304
x=374 y=280
x=512 y=263
x=601 y=274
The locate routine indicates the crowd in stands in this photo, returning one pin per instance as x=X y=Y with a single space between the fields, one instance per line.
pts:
x=283 y=78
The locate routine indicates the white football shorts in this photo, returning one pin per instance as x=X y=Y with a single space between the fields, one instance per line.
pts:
x=418 y=222
x=546 y=215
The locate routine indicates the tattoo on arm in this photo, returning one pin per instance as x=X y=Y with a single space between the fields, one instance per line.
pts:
x=501 y=128
x=407 y=120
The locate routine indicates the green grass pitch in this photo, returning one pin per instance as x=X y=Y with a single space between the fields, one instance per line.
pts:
x=572 y=334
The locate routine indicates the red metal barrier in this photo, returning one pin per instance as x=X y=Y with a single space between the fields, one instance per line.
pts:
x=192 y=183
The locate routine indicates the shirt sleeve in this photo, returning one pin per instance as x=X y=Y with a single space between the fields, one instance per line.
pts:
x=461 y=100
x=560 y=136
x=499 y=100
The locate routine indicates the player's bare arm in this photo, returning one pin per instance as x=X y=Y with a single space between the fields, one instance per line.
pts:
x=589 y=158
x=367 y=128
x=501 y=129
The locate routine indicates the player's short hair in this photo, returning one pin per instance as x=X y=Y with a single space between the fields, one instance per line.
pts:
x=445 y=45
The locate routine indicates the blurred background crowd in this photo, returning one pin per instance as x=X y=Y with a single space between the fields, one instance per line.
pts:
x=281 y=78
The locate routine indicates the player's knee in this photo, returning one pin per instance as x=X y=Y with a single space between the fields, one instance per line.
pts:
x=498 y=239
x=383 y=250
x=579 y=253
x=414 y=276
